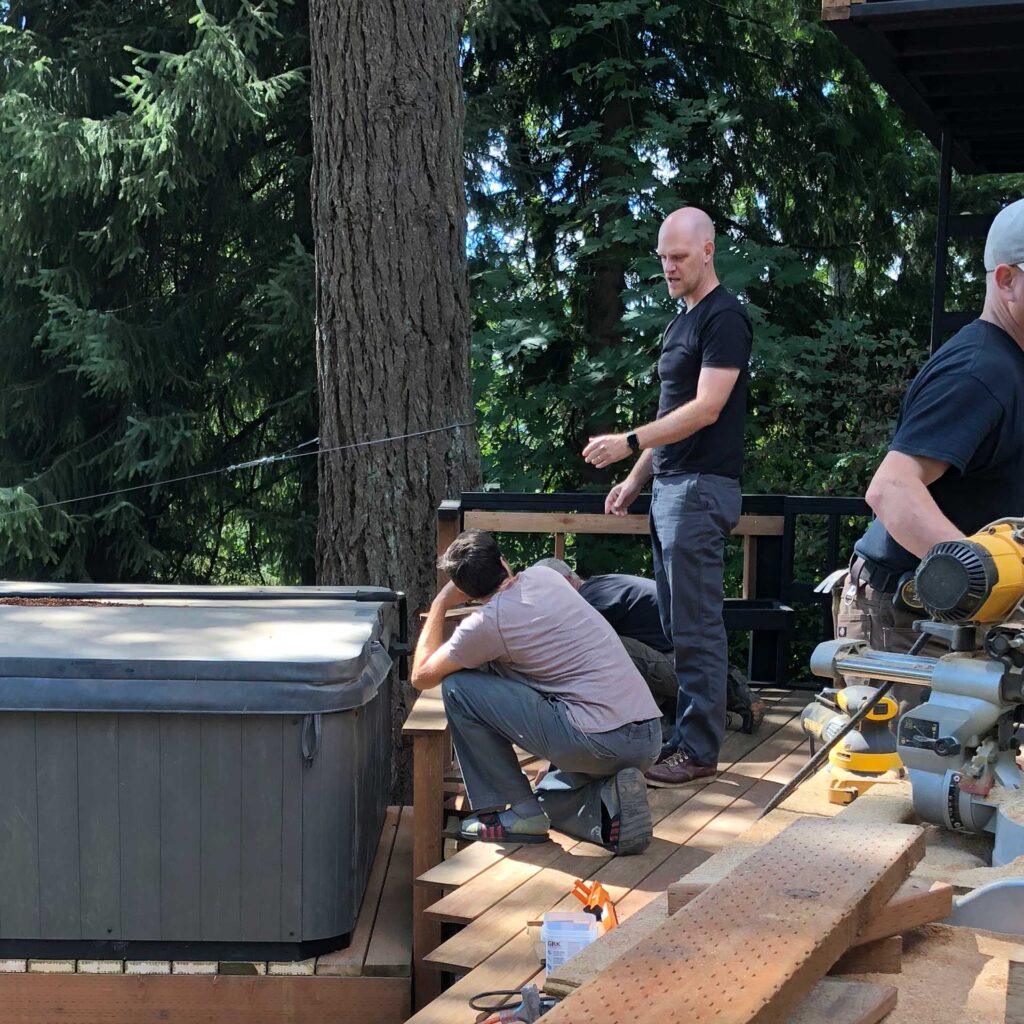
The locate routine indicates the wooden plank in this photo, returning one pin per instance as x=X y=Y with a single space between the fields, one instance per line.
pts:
x=185 y=999
x=389 y=954
x=583 y=522
x=448 y=528
x=916 y=903
x=479 y=939
x=348 y=962
x=845 y=1002
x=1014 y=993
x=510 y=967
x=749 y=567
x=428 y=768
x=883 y=956
x=469 y=901
x=749 y=953
x=832 y=1000
x=427 y=716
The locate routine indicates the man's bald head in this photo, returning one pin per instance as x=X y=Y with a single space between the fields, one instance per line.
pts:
x=692 y=221
x=686 y=247
x=1004 y=272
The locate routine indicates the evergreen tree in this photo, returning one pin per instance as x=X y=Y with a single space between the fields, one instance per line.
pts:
x=155 y=289
x=588 y=123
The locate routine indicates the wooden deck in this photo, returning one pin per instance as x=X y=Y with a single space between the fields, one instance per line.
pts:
x=492 y=891
x=368 y=982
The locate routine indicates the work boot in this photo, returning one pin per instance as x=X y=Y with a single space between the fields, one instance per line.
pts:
x=630 y=828
x=679 y=770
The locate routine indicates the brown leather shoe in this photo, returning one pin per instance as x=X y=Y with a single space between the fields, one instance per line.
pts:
x=678 y=770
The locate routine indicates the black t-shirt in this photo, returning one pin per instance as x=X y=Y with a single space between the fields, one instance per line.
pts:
x=630 y=604
x=965 y=407
x=715 y=333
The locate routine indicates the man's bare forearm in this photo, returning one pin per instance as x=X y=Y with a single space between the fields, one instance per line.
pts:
x=430 y=639
x=908 y=511
x=677 y=425
x=642 y=470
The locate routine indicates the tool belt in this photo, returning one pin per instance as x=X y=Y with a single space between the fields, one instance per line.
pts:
x=876 y=576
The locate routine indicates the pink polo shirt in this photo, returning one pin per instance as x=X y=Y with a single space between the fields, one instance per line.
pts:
x=540 y=631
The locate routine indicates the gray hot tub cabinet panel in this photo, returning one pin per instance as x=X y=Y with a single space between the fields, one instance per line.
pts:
x=192 y=770
x=188 y=828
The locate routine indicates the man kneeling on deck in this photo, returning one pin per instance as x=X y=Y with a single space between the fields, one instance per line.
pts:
x=552 y=677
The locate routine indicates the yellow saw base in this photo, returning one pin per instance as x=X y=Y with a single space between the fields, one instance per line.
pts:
x=844 y=787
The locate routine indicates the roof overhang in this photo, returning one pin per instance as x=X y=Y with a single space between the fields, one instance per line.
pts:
x=951 y=65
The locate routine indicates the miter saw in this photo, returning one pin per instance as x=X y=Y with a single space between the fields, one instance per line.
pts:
x=960 y=745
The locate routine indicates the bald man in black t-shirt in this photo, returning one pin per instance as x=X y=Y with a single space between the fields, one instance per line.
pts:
x=694 y=451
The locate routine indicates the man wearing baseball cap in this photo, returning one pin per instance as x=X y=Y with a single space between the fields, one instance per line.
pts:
x=956 y=461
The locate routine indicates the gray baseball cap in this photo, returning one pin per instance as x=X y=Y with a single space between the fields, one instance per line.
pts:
x=1005 y=242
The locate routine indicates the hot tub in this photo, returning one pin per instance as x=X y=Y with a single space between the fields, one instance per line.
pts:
x=191 y=772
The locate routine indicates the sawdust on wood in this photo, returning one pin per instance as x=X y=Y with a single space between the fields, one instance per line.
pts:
x=948 y=854
x=1009 y=801
x=952 y=975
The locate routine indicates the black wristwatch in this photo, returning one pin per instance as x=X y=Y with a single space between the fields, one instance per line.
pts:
x=633 y=441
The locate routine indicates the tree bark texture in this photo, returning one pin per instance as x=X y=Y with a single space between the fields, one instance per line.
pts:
x=393 y=324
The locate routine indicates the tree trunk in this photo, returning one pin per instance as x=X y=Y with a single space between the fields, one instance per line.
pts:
x=392 y=297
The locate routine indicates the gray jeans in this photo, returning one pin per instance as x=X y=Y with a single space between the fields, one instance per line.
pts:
x=487 y=714
x=692 y=514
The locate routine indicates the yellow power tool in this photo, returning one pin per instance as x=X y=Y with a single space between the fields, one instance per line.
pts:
x=978 y=579
x=865 y=756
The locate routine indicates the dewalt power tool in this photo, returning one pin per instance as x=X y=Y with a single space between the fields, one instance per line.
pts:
x=867 y=754
x=960 y=745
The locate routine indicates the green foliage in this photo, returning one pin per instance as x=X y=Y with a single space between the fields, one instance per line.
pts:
x=155 y=289
x=587 y=123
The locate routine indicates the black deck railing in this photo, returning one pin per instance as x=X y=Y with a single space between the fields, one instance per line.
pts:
x=786 y=566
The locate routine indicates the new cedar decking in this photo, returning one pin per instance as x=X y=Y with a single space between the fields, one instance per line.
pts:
x=493 y=891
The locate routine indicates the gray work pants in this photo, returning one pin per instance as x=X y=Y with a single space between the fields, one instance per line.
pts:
x=692 y=514
x=487 y=714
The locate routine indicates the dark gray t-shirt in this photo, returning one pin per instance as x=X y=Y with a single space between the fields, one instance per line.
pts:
x=539 y=630
x=965 y=407
x=630 y=604
x=715 y=333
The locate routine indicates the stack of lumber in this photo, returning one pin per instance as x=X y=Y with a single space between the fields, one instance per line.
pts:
x=755 y=946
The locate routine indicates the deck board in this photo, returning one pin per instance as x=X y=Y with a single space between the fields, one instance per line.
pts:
x=389 y=953
x=348 y=962
x=691 y=825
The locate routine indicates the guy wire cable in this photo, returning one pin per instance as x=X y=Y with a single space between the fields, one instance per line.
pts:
x=264 y=460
